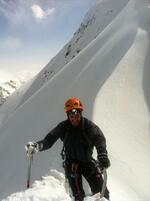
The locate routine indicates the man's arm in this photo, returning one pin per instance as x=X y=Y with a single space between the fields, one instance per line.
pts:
x=51 y=137
x=99 y=142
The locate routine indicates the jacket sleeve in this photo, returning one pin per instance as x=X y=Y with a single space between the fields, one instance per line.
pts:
x=100 y=142
x=51 y=137
x=98 y=139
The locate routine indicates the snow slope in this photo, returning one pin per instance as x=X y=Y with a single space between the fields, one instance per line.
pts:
x=110 y=75
x=95 y=21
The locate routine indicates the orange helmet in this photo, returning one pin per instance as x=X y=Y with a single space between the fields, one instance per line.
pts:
x=73 y=103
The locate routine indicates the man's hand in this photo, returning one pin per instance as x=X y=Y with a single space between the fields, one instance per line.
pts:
x=31 y=148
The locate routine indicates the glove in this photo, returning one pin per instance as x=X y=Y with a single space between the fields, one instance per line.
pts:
x=32 y=148
x=104 y=161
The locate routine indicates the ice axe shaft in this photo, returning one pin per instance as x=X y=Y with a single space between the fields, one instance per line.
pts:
x=30 y=160
x=104 y=183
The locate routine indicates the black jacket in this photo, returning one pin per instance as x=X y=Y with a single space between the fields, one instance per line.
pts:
x=78 y=141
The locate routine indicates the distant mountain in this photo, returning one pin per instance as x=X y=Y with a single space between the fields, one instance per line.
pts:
x=9 y=87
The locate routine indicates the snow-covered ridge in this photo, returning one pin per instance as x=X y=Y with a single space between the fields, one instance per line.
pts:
x=95 y=21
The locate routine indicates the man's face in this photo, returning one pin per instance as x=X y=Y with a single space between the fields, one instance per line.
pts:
x=74 y=117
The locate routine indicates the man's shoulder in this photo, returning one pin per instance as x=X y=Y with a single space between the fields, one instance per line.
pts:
x=88 y=122
x=91 y=127
x=63 y=124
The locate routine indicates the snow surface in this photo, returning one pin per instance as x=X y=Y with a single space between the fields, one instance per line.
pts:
x=49 y=188
x=111 y=76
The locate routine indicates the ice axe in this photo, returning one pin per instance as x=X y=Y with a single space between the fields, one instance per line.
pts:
x=30 y=160
x=30 y=148
x=104 y=173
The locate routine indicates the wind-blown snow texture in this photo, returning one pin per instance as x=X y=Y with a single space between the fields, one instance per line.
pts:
x=111 y=76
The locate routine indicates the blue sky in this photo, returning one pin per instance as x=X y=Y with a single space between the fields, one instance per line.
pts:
x=33 y=31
